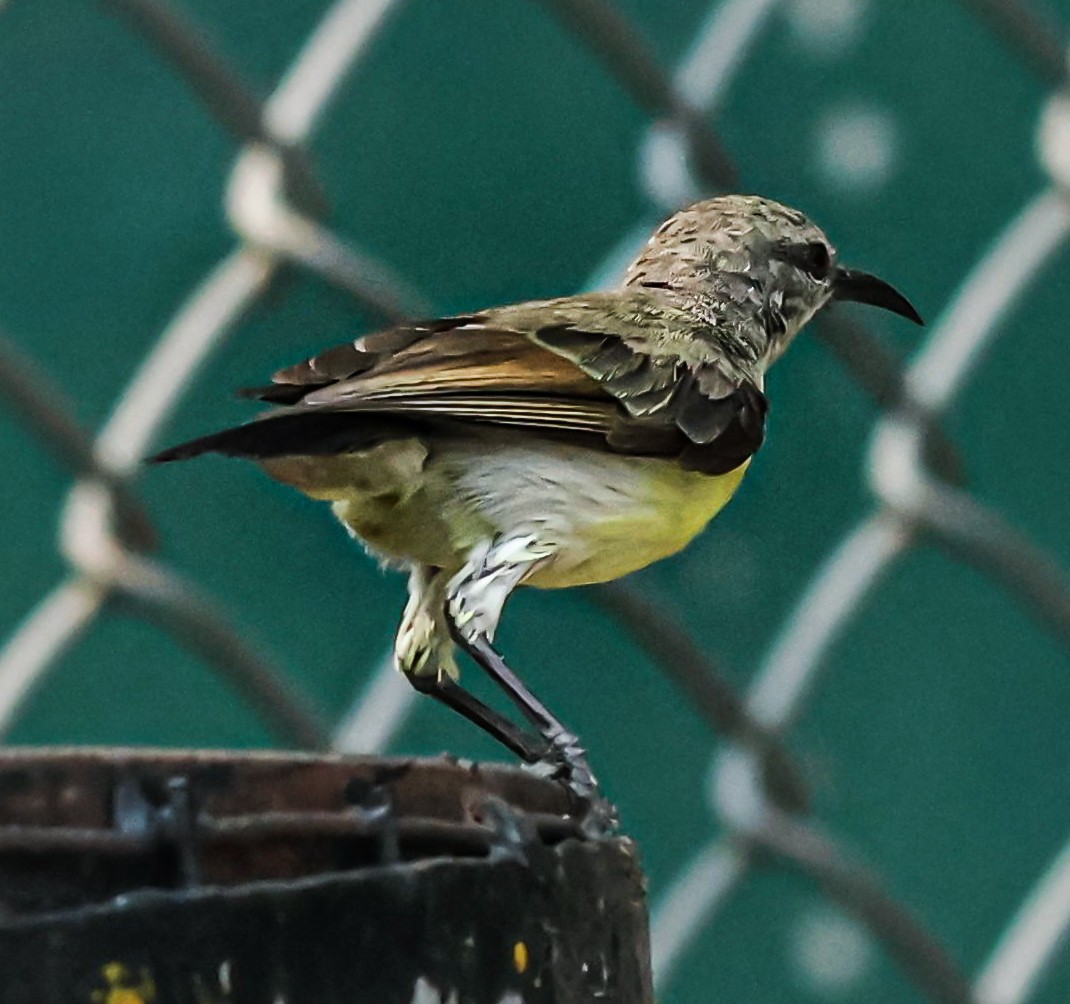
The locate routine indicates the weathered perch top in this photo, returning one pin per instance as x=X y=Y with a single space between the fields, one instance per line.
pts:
x=155 y=877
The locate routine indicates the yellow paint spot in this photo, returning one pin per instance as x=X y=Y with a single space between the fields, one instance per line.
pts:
x=122 y=988
x=520 y=956
x=124 y=995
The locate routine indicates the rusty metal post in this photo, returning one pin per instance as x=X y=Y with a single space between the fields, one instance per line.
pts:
x=140 y=877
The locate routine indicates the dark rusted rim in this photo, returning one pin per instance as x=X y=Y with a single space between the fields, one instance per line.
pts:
x=194 y=817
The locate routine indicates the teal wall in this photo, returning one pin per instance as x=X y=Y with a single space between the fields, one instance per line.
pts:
x=482 y=153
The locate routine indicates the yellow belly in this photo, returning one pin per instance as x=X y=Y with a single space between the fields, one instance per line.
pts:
x=680 y=505
x=600 y=515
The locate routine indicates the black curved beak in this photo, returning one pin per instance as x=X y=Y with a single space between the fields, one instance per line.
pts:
x=861 y=287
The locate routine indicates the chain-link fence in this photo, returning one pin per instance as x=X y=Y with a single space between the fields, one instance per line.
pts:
x=276 y=208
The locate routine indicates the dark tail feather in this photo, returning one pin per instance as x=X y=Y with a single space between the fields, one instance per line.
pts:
x=306 y=434
x=278 y=393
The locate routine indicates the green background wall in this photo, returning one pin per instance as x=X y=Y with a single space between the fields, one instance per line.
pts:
x=481 y=152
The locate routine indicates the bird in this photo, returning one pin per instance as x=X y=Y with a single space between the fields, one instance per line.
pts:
x=551 y=443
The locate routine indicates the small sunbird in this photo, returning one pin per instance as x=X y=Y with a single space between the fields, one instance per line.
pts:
x=552 y=443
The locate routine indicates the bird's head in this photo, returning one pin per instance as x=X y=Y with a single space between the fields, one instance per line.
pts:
x=744 y=261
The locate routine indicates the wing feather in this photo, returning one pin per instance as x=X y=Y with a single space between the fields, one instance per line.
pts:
x=636 y=394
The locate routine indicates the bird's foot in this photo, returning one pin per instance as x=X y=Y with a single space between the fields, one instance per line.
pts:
x=566 y=760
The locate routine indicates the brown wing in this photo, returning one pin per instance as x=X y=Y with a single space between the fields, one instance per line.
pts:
x=406 y=381
x=557 y=379
x=721 y=418
x=469 y=371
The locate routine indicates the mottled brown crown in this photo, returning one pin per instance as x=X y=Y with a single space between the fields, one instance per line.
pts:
x=733 y=233
x=743 y=263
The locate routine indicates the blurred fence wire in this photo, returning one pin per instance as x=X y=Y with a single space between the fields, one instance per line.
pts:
x=757 y=790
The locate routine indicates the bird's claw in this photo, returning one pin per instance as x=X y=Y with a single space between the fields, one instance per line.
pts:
x=565 y=760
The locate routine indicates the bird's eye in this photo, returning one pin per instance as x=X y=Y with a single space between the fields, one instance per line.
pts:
x=814 y=260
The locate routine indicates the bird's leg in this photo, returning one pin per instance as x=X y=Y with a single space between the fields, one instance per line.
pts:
x=424 y=653
x=530 y=749
x=564 y=755
x=475 y=597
